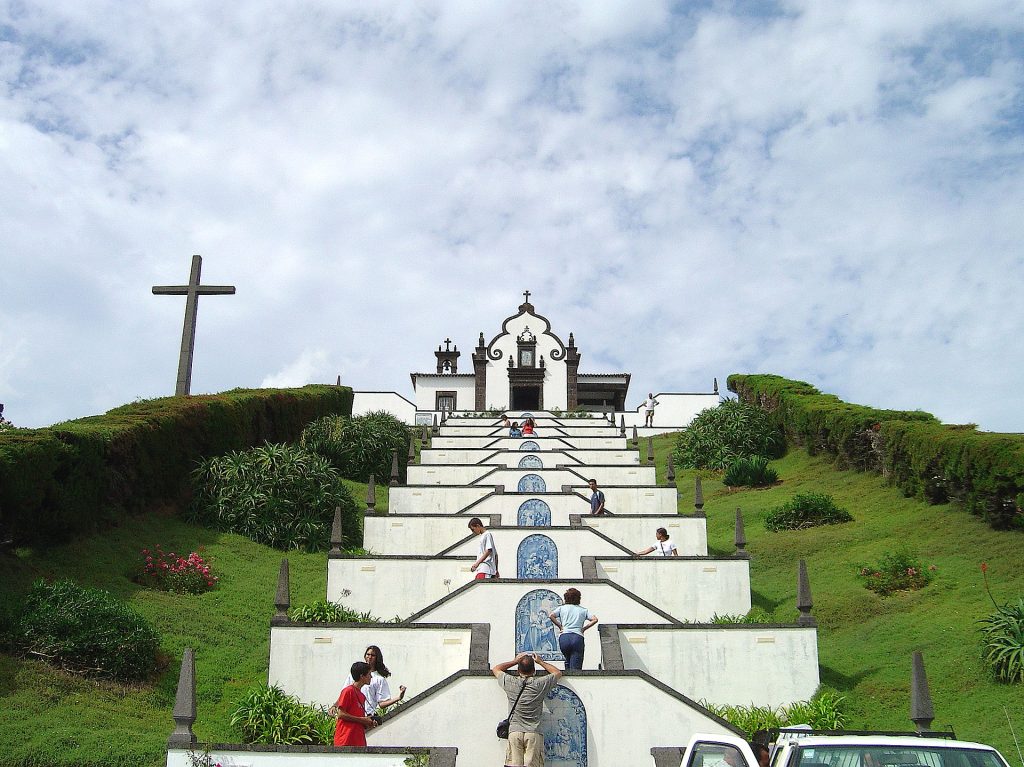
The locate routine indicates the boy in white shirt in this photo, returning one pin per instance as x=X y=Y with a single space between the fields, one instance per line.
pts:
x=486 y=565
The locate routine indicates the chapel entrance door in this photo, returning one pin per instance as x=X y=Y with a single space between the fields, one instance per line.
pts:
x=526 y=398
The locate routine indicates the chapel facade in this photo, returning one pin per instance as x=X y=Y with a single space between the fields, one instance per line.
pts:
x=524 y=367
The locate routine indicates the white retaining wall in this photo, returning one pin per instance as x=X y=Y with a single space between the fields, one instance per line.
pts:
x=545 y=442
x=619 y=732
x=495 y=602
x=312 y=662
x=366 y=401
x=398 y=586
x=227 y=758
x=571 y=543
x=511 y=457
x=687 y=589
x=433 y=533
x=434 y=499
x=748 y=665
x=690 y=534
x=436 y=474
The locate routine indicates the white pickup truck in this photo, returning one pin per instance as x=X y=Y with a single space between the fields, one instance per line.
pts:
x=795 y=748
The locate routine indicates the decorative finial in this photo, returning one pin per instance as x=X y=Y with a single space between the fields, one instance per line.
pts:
x=921 y=712
x=184 y=712
x=636 y=437
x=447 y=345
x=526 y=295
x=670 y=470
x=741 y=537
x=622 y=426
x=698 y=495
x=283 y=599
x=650 y=450
x=803 y=597
x=394 y=468
x=337 y=537
x=716 y=384
x=371 y=495
x=412 y=450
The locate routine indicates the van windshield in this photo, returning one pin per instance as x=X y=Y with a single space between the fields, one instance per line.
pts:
x=895 y=756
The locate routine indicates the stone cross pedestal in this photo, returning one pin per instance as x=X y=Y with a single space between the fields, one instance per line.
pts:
x=188 y=334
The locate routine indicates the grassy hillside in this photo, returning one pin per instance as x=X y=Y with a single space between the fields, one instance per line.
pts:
x=865 y=641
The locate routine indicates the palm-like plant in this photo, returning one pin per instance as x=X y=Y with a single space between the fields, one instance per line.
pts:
x=279 y=495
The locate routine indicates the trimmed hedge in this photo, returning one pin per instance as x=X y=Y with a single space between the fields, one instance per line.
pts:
x=79 y=476
x=982 y=471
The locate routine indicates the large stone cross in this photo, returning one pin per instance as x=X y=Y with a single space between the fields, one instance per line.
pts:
x=188 y=334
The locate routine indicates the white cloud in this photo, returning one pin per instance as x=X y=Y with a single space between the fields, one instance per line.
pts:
x=828 y=191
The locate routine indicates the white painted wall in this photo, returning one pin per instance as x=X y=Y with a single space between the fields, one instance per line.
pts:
x=549 y=429
x=511 y=457
x=572 y=543
x=674 y=410
x=395 y=534
x=687 y=589
x=180 y=758
x=367 y=401
x=399 y=586
x=689 y=534
x=440 y=499
x=428 y=499
x=737 y=665
x=555 y=376
x=313 y=662
x=626 y=717
x=544 y=442
x=495 y=602
x=466 y=474
x=427 y=386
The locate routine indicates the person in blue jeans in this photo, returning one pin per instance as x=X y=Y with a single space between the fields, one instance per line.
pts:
x=572 y=620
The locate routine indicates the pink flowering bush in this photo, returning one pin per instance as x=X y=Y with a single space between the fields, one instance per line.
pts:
x=171 y=572
x=896 y=571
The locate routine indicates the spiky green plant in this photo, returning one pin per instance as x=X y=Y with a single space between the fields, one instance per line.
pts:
x=1002 y=642
x=325 y=611
x=360 y=446
x=268 y=715
x=279 y=495
x=720 y=435
x=823 y=712
x=753 y=471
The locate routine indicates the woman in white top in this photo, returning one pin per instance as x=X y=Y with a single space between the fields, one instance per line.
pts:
x=378 y=691
x=572 y=620
x=664 y=546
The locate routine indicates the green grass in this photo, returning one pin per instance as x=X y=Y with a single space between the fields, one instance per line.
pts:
x=865 y=641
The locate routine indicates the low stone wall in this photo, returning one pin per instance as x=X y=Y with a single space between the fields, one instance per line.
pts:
x=512 y=457
x=236 y=755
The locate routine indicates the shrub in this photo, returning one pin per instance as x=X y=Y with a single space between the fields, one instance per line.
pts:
x=278 y=495
x=982 y=472
x=896 y=571
x=170 y=572
x=268 y=715
x=360 y=446
x=720 y=435
x=79 y=476
x=1002 y=642
x=325 y=611
x=750 y=472
x=806 y=510
x=823 y=712
x=87 y=631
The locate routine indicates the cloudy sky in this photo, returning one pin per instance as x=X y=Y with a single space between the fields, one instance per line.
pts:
x=830 y=191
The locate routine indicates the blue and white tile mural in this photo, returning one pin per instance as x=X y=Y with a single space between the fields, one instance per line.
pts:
x=564 y=725
x=534 y=513
x=537 y=558
x=529 y=445
x=531 y=462
x=534 y=630
x=532 y=483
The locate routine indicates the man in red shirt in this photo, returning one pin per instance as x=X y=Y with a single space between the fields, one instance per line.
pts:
x=352 y=720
